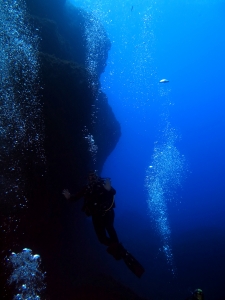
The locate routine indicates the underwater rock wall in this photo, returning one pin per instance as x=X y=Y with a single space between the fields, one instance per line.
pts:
x=72 y=121
x=67 y=86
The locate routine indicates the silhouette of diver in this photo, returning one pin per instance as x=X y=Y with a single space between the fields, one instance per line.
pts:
x=99 y=203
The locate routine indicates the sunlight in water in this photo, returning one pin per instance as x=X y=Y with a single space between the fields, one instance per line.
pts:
x=131 y=32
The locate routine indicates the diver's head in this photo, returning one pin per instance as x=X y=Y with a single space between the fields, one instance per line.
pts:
x=92 y=176
x=198 y=294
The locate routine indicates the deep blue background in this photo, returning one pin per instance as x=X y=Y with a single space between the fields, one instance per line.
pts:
x=182 y=41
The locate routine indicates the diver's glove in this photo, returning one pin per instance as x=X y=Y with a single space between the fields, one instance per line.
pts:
x=66 y=194
x=107 y=184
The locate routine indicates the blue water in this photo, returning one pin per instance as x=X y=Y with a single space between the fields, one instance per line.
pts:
x=167 y=167
x=182 y=41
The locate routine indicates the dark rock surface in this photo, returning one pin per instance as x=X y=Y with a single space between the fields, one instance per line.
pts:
x=69 y=103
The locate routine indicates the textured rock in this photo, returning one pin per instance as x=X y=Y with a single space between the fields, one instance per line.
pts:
x=66 y=85
x=69 y=103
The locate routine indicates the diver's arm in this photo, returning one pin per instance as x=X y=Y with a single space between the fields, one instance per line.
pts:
x=73 y=197
x=107 y=184
x=66 y=194
x=108 y=187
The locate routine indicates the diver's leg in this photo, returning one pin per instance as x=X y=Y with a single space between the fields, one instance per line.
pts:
x=115 y=248
x=109 y=220
x=99 y=227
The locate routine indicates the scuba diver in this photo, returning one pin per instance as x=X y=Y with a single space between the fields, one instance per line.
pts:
x=99 y=203
x=197 y=295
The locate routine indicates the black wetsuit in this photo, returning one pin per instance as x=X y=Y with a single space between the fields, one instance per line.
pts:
x=99 y=203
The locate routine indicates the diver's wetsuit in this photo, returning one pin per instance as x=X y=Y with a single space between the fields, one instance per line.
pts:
x=99 y=203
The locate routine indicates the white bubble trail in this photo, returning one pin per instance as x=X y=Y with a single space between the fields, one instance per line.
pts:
x=162 y=177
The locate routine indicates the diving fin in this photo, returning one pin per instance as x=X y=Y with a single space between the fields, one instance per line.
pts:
x=133 y=264
x=119 y=252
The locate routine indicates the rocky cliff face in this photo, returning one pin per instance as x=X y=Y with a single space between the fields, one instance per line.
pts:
x=74 y=124
x=69 y=90
x=69 y=102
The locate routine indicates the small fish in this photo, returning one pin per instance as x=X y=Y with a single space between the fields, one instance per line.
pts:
x=132 y=8
x=163 y=80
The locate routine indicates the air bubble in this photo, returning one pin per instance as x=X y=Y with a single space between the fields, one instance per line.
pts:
x=27 y=274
